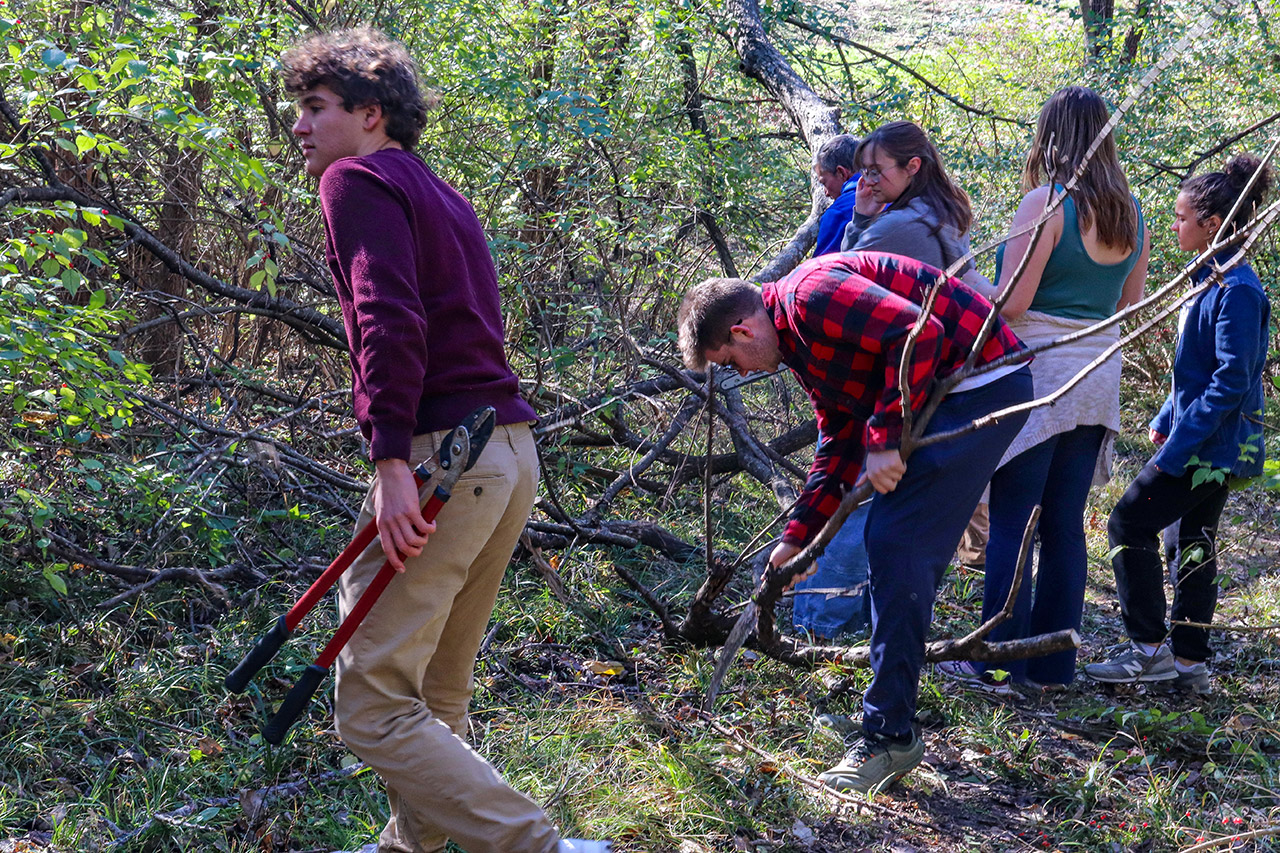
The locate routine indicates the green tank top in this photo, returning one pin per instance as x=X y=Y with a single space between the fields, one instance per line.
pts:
x=1073 y=284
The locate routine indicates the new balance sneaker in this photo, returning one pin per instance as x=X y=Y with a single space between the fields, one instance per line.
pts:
x=577 y=845
x=874 y=764
x=974 y=675
x=1195 y=679
x=1129 y=665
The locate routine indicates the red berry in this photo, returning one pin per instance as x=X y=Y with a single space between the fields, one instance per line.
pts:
x=49 y=231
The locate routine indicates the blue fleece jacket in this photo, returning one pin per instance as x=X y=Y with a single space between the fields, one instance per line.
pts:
x=1217 y=378
x=835 y=218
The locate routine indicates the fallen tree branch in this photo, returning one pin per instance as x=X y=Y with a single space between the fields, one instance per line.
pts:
x=145 y=578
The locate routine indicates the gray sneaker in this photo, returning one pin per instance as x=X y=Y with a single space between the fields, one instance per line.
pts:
x=1129 y=665
x=1195 y=680
x=873 y=765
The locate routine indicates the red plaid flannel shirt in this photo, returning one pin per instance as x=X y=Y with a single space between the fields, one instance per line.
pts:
x=842 y=322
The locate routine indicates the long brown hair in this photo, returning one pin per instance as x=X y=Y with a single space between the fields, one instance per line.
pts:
x=902 y=140
x=1069 y=122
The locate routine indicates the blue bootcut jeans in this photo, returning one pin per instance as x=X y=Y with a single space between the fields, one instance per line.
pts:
x=1056 y=474
x=842 y=566
x=912 y=533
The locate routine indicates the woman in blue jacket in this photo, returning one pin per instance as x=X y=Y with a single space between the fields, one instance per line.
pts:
x=1209 y=428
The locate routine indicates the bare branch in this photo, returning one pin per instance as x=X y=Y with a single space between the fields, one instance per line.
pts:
x=928 y=84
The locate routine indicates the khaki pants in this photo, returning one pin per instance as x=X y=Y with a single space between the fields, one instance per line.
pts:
x=405 y=679
x=972 y=551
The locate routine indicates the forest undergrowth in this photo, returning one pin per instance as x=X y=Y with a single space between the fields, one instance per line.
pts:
x=163 y=501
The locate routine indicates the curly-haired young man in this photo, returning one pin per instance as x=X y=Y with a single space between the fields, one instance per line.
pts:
x=419 y=297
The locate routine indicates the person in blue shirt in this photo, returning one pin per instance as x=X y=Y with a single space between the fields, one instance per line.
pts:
x=835 y=600
x=836 y=170
x=1209 y=430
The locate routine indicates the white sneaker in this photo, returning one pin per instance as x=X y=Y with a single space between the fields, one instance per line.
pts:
x=577 y=845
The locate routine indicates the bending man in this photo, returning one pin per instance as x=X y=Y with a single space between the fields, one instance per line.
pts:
x=840 y=322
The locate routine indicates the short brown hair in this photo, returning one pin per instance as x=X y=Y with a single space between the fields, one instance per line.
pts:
x=362 y=66
x=707 y=313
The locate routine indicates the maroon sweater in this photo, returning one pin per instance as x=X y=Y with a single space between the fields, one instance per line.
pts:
x=419 y=297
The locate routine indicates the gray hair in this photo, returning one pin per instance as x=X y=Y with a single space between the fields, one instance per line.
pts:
x=837 y=151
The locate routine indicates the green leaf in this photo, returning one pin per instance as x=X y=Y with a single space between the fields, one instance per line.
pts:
x=85 y=143
x=72 y=280
x=55 y=580
x=97 y=300
x=53 y=57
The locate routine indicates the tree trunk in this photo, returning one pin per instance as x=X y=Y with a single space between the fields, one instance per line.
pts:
x=816 y=120
x=1141 y=13
x=161 y=346
x=1097 y=15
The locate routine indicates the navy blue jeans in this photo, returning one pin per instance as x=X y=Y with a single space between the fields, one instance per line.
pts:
x=912 y=533
x=1056 y=474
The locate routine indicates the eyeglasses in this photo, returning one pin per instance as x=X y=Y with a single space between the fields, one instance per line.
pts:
x=874 y=173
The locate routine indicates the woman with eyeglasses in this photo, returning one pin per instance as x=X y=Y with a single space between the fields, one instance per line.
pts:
x=1090 y=261
x=904 y=204
x=907 y=204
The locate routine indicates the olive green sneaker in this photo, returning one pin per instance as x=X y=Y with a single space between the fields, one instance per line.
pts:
x=873 y=765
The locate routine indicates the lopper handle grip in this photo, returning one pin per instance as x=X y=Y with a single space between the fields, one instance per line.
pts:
x=294 y=704
x=258 y=657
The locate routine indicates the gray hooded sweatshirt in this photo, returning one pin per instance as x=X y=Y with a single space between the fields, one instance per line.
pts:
x=908 y=231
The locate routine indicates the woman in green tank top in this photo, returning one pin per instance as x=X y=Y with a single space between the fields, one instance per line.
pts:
x=1090 y=260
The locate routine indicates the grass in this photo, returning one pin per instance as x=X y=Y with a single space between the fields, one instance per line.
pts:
x=109 y=719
